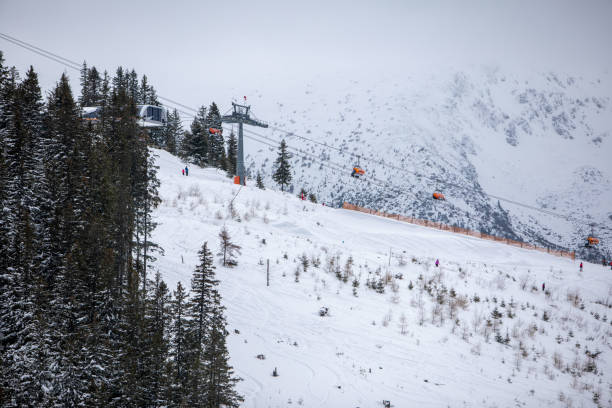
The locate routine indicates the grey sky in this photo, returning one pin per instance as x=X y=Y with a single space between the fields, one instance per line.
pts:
x=194 y=51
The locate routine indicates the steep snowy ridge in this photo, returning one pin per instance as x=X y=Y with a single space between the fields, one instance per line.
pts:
x=478 y=331
x=543 y=140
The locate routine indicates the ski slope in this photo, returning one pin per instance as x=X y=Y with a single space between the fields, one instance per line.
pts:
x=361 y=353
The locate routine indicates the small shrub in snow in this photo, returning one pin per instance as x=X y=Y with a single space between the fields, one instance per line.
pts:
x=228 y=250
x=387 y=319
x=297 y=274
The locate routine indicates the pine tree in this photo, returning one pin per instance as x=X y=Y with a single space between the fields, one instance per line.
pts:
x=227 y=249
x=172 y=131
x=199 y=307
x=216 y=144
x=157 y=335
x=18 y=322
x=179 y=347
x=259 y=181
x=232 y=153
x=211 y=380
x=282 y=175
x=220 y=377
x=195 y=144
x=147 y=94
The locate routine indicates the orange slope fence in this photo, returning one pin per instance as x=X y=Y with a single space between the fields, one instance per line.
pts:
x=458 y=230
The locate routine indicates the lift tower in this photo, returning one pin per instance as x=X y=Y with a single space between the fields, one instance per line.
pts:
x=240 y=115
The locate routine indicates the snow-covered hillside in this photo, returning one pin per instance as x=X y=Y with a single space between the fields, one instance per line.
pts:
x=478 y=331
x=543 y=140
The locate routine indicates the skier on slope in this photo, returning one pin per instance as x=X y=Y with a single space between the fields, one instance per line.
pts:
x=580 y=266
x=437 y=263
x=186 y=171
x=183 y=171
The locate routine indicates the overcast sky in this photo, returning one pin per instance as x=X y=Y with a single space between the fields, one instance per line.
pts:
x=196 y=51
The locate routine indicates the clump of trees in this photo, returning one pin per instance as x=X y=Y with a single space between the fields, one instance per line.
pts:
x=82 y=322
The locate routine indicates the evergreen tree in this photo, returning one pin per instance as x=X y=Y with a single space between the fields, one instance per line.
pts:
x=199 y=306
x=180 y=347
x=282 y=175
x=147 y=94
x=19 y=165
x=211 y=378
x=220 y=377
x=232 y=153
x=173 y=131
x=157 y=335
x=259 y=181
x=216 y=144
x=91 y=87
x=195 y=144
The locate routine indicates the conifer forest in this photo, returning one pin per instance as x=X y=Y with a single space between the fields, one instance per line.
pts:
x=84 y=318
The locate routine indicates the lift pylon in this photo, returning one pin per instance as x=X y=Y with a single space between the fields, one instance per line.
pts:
x=241 y=115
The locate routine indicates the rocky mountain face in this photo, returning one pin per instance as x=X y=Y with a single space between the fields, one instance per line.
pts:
x=544 y=141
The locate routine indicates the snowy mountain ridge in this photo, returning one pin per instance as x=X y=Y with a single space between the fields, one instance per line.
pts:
x=543 y=141
x=477 y=331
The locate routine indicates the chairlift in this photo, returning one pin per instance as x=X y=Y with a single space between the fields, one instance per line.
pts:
x=591 y=241
x=357 y=170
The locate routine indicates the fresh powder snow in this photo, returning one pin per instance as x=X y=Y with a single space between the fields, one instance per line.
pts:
x=477 y=331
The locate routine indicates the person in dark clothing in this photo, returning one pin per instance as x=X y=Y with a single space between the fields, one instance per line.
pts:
x=186 y=171
x=543 y=286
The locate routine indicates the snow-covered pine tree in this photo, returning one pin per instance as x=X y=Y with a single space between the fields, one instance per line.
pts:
x=282 y=174
x=18 y=347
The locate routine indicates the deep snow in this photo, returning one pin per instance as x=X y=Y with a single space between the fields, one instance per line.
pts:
x=358 y=356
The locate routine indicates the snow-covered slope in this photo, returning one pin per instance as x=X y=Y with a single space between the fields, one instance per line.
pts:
x=428 y=340
x=541 y=139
